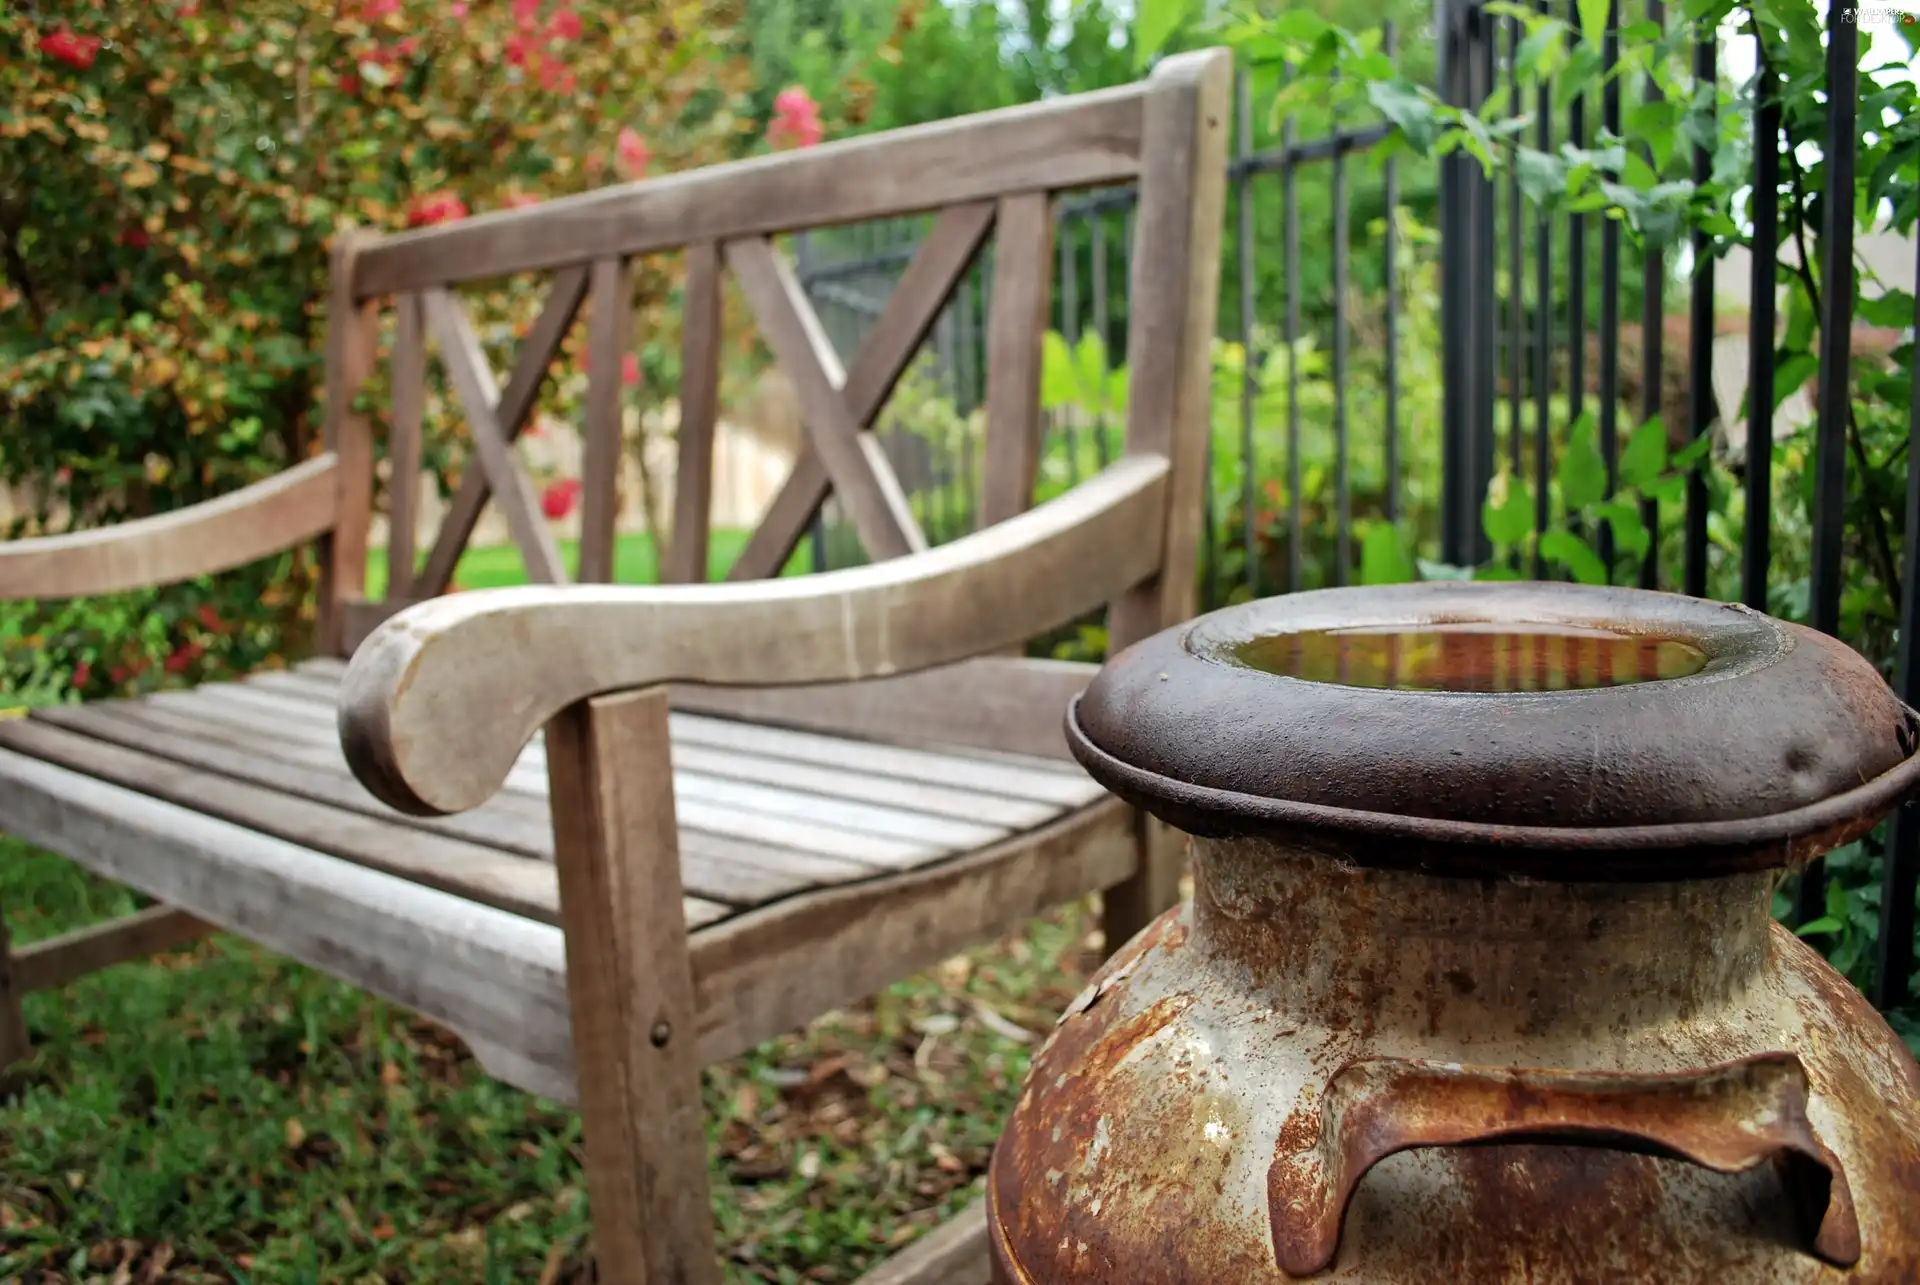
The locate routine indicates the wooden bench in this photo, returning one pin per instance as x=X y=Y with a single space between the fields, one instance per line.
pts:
x=754 y=801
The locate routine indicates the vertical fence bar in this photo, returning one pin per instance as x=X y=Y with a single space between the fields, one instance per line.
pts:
x=1543 y=337
x=1576 y=256
x=1756 y=554
x=1455 y=293
x=1836 y=325
x=1249 y=483
x=1516 y=292
x=1342 y=497
x=1486 y=328
x=1069 y=329
x=1653 y=336
x=1290 y=200
x=1390 y=39
x=1610 y=293
x=1902 y=870
x=1700 y=408
x=1102 y=453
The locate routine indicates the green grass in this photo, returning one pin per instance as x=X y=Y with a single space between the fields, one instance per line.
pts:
x=224 y=1114
x=634 y=562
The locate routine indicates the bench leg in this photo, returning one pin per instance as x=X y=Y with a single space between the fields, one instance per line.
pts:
x=1128 y=907
x=13 y=1025
x=630 y=984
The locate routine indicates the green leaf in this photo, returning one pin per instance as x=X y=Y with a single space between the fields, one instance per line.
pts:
x=1691 y=454
x=1571 y=552
x=1507 y=513
x=1801 y=318
x=1116 y=399
x=1670 y=489
x=1542 y=176
x=1155 y=25
x=1639 y=174
x=1059 y=382
x=1090 y=366
x=1582 y=473
x=1646 y=455
x=1593 y=20
x=1790 y=374
x=1407 y=106
x=1629 y=531
x=1818 y=927
x=1303 y=26
x=1386 y=555
x=1894 y=309
x=1544 y=49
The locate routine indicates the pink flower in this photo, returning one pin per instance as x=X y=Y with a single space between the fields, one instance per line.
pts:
x=630 y=368
x=518 y=200
x=526 y=14
x=435 y=207
x=633 y=153
x=796 y=119
x=458 y=9
x=374 y=10
x=565 y=25
x=62 y=45
x=554 y=75
x=558 y=499
x=518 y=50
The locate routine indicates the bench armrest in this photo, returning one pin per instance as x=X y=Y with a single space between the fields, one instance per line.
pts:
x=440 y=700
x=215 y=535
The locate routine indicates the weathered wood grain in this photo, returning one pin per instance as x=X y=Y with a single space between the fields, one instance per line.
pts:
x=911 y=310
x=686 y=557
x=609 y=343
x=1022 y=294
x=59 y=960
x=636 y=1056
x=242 y=526
x=530 y=367
x=1083 y=140
x=861 y=475
x=1175 y=291
x=353 y=334
x=466 y=366
x=954 y=1253
x=404 y=443
x=430 y=677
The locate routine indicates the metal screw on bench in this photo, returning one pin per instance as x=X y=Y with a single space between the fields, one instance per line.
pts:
x=1479 y=980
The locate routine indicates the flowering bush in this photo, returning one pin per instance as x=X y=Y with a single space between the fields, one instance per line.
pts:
x=171 y=176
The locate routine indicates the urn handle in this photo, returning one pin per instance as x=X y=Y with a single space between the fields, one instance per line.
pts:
x=1727 y=1118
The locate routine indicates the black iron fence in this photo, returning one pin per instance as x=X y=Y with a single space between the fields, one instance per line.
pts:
x=1342 y=412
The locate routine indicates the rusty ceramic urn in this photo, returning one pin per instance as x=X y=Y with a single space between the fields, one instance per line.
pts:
x=1478 y=983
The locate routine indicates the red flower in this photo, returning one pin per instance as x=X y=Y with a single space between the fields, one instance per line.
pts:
x=81 y=673
x=119 y=674
x=374 y=10
x=518 y=49
x=349 y=83
x=632 y=151
x=565 y=25
x=184 y=655
x=796 y=119
x=630 y=368
x=435 y=207
x=558 y=499
x=135 y=238
x=77 y=52
x=209 y=617
x=555 y=76
x=526 y=14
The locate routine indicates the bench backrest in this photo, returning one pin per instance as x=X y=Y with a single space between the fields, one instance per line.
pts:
x=992 y=174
